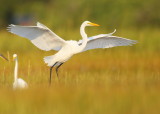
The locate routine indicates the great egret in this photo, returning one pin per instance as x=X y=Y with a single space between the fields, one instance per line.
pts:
x=45 y=39
x=18 y=82
x=3 y=57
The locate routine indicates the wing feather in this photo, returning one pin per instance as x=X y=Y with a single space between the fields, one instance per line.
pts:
x=40 y=36
x=106 y=41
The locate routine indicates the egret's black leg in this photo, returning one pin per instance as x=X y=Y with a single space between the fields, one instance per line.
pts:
x=51 y=73
x=57 y=69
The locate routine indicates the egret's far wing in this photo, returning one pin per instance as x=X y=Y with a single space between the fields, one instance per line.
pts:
x=40 y=36
x=106 y=41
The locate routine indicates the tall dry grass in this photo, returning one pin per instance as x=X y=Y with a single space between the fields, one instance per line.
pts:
x=123 y=80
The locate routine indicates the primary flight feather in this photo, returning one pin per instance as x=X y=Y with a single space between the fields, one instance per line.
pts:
x=40 y=36
x=45 y=39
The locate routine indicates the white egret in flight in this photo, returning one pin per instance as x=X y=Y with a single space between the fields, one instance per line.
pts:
x=18 y=82
x=3 y=57
x=45 y=39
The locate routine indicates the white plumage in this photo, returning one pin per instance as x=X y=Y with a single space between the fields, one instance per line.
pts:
x=45 y=39
x=18 y=82
x=40 y=36
x=106 y=41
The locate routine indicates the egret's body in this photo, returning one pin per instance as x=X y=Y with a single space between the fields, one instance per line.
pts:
x=63 y=55
x=18 y=82
x=45 y=39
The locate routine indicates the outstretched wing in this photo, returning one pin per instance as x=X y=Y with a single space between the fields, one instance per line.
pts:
x=40 y=36
x=106 y=41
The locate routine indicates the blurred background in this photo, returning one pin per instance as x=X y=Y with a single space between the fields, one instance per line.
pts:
x=70 y=13
x=120 y=80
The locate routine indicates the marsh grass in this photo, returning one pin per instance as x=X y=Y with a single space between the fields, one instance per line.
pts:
x=121 y=80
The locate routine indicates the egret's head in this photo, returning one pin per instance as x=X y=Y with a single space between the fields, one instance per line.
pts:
x=88 y=23
x=14 y=57
x=3 y=57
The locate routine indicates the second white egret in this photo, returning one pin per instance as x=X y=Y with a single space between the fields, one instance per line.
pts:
x=18 y=82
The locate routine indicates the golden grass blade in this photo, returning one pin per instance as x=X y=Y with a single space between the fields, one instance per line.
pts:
x=3 y=57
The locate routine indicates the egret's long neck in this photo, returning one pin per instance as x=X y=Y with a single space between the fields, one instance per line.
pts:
x=16 y=70
x=84 y=37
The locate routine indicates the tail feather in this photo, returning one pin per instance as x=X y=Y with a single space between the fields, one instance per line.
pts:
x=49 y=60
